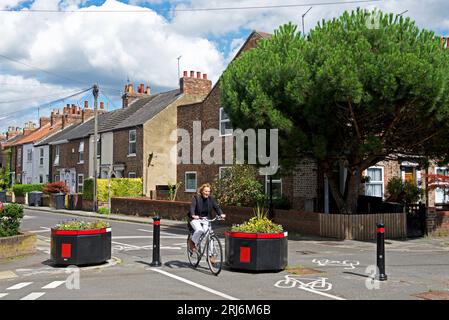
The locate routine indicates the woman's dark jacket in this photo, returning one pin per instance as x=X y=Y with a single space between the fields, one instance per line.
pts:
x=197 y=208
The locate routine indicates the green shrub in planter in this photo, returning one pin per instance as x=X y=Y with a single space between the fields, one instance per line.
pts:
x=258 y=224
x=20 y=190
x=82 y=225
x=10 y=218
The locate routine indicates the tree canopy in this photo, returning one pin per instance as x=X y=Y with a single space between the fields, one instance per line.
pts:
x=358 y=88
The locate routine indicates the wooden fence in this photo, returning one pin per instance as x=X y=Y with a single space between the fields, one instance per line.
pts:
x=362 y=226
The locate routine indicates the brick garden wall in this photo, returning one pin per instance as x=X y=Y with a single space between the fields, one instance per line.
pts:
x=306 y=223
x=437 y=222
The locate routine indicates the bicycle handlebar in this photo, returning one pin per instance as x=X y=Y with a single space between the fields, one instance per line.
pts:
x=211 y=220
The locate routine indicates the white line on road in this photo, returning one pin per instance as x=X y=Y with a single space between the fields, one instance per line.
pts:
x=33 y=296
x=128 y=245
x=148 y=237
x=53 y=285
x=3 y=295
x=321 y=293
x=19 y=286
x=218 y=293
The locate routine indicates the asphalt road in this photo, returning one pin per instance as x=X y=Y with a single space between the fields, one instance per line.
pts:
x=339 y=270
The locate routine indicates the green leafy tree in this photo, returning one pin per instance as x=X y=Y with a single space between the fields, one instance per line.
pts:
x=349 y=95
x=239 y=187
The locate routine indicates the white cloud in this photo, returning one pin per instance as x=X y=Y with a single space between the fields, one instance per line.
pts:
x=105 y=48
x=427 y=14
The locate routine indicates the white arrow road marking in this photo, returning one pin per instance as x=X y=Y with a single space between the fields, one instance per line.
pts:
x=53 y=284
x=33 y=296
x=19 y=286
x=218 y=293
x=3 y=295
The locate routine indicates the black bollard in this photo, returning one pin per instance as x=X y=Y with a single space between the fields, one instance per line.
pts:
x=381 y=251
x=156 y=242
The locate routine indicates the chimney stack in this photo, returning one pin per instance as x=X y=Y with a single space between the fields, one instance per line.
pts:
x=29 y=128
x=195 y=86
x=44 y=121
x=130 y=95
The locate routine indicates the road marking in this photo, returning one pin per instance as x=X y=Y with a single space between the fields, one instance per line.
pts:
x=162 y=232
x=128 y=245
x=300 y=283
x=148 y=237
x=33 y=296
x=168 y=248
x=28 y=217
x=53 y=285
x=7 y=275
x=45 y=229
x=218 y=293
x=3 y=295
x=19 y=286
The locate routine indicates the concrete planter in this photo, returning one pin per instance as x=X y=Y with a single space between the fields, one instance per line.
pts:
x=18 y=245
x=256 y=251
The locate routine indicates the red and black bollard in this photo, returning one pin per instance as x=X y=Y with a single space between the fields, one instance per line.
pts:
x=381 y=251
x=156 y=242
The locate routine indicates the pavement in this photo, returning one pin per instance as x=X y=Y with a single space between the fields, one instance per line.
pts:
x=319 y=269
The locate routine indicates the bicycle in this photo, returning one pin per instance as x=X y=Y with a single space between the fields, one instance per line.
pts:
x=210 y=244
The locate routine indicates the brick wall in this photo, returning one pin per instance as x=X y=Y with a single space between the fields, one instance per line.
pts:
x=437 y=222
x=306 y=223
x=121 y=143
x=69 y=157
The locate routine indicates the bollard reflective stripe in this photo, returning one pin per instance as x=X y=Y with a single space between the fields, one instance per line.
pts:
x=157 y=223
x=380 y=230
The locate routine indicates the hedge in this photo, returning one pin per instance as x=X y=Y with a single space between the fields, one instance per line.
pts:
x=120 y=187
x=21 y=189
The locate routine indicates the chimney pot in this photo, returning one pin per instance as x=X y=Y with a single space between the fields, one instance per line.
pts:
x=198 y=75
x=204 y=76
x=86 y=104
x=101 y=105
x=185 y=74
x=192 y=74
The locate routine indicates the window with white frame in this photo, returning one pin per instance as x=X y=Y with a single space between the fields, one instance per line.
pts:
x=132 y=142
x=81 y=152
x=29 y=155
x=223 y=172
x=190 y=181
x=41 y=157
x=225 y=124
x=375 y=185
x=276 y=184
x=132 y=175
x=80 y=183
x=56 y=163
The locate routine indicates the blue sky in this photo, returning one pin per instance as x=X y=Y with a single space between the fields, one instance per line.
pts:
x=57 y=54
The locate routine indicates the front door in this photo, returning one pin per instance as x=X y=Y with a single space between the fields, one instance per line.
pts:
x=70 y=179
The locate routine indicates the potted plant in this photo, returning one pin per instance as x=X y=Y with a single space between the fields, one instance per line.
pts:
x=259 y=244
x=81 y=243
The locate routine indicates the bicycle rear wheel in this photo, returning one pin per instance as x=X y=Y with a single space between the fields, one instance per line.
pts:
x=194 y=257
x=214 y=254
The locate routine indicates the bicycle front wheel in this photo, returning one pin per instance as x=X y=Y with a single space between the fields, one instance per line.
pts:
x=215 y=255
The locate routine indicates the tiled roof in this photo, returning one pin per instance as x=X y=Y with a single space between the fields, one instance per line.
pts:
x=38 y=134
x=55 y=137
x=11 y=141
x=137 y=113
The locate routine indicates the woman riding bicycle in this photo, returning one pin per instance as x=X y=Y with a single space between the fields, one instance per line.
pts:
x=202 y=205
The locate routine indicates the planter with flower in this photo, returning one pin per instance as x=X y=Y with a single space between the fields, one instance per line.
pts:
x=81 y=243
x=257 y=245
